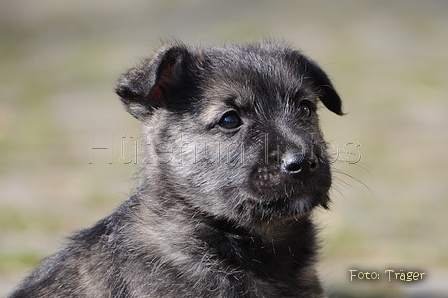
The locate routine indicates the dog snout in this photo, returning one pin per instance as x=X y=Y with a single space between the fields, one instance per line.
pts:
x=300 y=165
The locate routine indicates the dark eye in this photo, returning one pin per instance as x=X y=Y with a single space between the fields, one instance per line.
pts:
x=305 y=109
x=230 y=120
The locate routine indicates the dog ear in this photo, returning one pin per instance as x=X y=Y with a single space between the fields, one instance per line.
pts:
x=328 y=95
x=144 y=88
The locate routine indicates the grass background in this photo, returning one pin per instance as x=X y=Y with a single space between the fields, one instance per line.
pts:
x=59 y=61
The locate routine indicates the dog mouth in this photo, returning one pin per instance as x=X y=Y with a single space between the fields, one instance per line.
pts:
x=286 y=206
x=277 y=189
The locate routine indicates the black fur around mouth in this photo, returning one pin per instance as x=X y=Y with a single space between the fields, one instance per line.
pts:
x=290 y=207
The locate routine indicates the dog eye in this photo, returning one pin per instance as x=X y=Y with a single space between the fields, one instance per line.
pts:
x=305 y=109
x=230 y=120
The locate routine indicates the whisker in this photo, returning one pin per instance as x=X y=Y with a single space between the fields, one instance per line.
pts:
x=339 y=181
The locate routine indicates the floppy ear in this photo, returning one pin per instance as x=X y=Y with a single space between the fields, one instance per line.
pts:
x=146 y=87
x=328 y=94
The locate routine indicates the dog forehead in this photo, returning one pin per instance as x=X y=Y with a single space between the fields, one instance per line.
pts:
x=252 y=61
x=250 y=75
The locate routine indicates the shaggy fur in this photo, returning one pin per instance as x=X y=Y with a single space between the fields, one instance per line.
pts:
x=235 y=164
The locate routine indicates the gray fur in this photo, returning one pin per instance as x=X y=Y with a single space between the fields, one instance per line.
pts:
x=235 y=165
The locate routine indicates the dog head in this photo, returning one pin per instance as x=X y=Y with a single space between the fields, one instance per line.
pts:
x=233 y=132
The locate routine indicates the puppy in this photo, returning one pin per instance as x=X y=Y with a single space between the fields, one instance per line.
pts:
x=235 y=164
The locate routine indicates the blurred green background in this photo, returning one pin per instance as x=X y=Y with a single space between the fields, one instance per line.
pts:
x=59 y=61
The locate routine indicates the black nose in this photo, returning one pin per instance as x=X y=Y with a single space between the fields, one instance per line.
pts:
x=302 y=166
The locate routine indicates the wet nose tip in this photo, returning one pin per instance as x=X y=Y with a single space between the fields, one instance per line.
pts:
x=301 y=165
